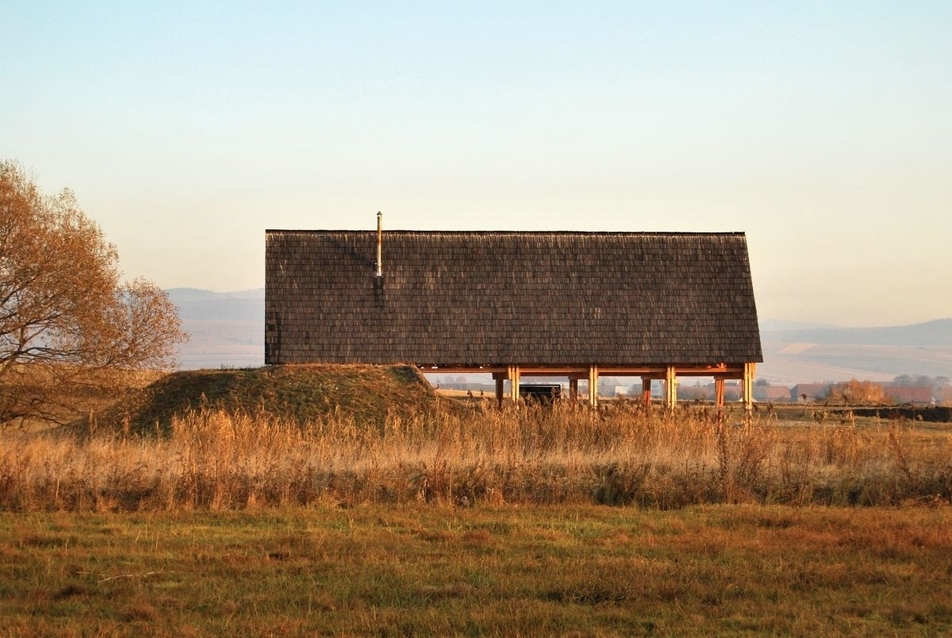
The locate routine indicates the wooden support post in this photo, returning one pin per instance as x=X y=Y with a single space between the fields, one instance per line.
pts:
x=748 y=388
x=670 y=388
x=646 y=391
x=719 y=393
x=514 y=384
x=593 y=386
x=499 y=383
x=573 y=389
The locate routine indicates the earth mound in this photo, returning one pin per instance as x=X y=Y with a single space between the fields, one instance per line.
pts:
x=301 y=393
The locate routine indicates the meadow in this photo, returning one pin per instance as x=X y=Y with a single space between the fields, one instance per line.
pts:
x=462 y=519
x=425 y=570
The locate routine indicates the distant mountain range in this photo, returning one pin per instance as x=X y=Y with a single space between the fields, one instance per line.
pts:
x=839 y=354
x=227 y=330
x=936 y=333
x=244 y=305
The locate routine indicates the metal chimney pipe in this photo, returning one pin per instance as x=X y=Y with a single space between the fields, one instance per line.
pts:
x=379 y=244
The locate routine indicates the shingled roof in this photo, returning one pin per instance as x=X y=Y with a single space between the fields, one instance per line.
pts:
x=471 y=299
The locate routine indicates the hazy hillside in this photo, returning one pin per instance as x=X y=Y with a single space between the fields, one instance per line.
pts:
x=936 y=333
x=838 y=354
x=228 y=331
x=204 y=305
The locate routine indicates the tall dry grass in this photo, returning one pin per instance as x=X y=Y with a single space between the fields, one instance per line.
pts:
x=565 y=454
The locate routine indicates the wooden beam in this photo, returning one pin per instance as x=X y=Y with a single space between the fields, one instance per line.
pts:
x=514 y=383
x=573 y=389
x=748 y=387
x=670 y=387
x=499 y=382
x=646 y=391
x=630 y=371
x=720 y=370
x=719 y=392
x=593 y=386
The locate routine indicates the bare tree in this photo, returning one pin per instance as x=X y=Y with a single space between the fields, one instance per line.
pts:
x=67 y=323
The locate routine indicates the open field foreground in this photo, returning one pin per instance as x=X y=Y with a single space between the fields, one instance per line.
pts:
x=510 y=571
x=252 y=503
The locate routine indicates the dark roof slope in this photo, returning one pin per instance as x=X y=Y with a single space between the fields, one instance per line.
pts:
x=495 y=298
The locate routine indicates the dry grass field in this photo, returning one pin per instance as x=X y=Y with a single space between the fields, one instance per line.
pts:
x=455 y=518
x=476 y=455
x=473 y=455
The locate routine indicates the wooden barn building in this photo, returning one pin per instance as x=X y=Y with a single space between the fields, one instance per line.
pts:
x=574 y=305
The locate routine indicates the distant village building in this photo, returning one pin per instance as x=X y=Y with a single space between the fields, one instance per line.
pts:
x=909 y=394
x=542 y=304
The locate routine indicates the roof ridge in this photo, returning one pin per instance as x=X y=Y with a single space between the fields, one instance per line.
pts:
x=512 y=232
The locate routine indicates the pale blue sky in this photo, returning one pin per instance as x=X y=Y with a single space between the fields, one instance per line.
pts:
x=822 y=129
